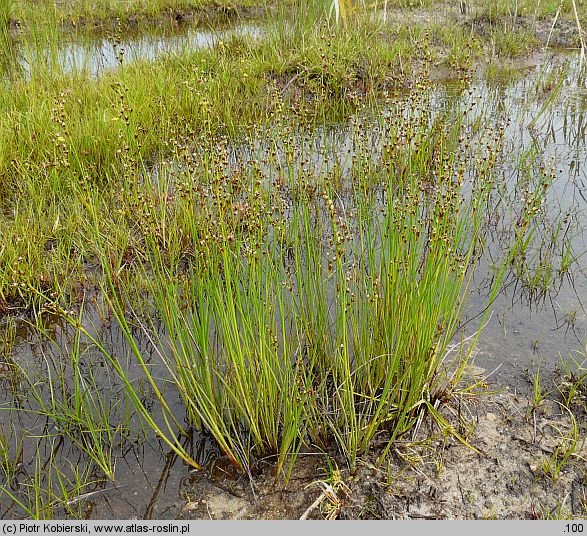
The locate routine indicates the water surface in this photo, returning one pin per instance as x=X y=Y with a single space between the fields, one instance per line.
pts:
x=545 y=112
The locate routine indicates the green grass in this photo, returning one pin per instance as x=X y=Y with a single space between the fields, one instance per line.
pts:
x=128 y=14
x=509 y=44
x=301 y=308
x=52 y=490
x=527 y=8
x=572 y=384
x=63 y=134
x=69 y=396
x=323 y=324
x=569 y=442
x=539 y=392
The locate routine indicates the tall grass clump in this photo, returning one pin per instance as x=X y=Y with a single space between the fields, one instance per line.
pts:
x=8 y=43
x=6 y=11
x=306 y=309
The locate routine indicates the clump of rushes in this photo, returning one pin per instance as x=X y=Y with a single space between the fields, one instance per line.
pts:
x=305 y=308
x=65 y=134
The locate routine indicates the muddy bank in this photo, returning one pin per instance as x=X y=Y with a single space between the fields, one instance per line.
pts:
x=510 y=477
x=505 y=473
x=558 y=33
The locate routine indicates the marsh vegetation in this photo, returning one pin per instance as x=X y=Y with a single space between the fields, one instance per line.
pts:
x=234 y=248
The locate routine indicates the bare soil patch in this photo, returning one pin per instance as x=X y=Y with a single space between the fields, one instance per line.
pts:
x=502 y=474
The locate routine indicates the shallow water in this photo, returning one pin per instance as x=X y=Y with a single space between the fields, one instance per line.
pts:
x=150 y=482
x=528 y=328
x=97 y=56
x=527 y=331
x=523 y=332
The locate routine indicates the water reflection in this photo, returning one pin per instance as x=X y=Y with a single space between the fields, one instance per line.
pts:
x=547 y=128
x=97 y=56
x=526 y=327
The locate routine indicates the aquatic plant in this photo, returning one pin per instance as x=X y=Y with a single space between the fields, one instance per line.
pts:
x=300 y=287
x=53 y=490
x=328 y=321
